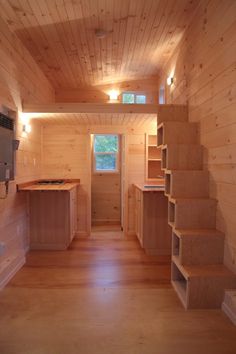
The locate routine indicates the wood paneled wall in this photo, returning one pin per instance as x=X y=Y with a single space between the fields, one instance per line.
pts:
x=99 y=94
x=66 y=153
x=204 y=68
x=20 y=79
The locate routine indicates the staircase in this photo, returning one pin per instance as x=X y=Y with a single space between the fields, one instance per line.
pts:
x=198 y=274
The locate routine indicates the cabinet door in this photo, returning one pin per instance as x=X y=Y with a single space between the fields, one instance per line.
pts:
x=138 y=215
x=73 y=213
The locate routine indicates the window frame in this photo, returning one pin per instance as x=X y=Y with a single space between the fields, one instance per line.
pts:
x=135 y=96
x=116 y=153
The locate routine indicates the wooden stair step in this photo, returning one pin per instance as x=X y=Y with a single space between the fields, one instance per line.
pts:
x=177 y=133
x=192 y=246
x=177 y=113
x=192 y=213
x=187 y=184
x=201 y=286
x=182 y=157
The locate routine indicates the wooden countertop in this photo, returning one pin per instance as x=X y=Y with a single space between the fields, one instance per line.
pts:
x=34 y=186
x=150 y=188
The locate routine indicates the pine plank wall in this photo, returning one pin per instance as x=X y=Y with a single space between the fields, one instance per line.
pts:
x=204 y=70
x=20 y=79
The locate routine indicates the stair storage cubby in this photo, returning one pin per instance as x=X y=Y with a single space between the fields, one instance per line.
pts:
x=182 y=157
x=179 y=283
x=175 y=244
x=167 y=184
x=177 y=133
x=171 y=213
x=198 y=247
x=198 y=274
x=201 y=286
x=163 y=157
x=160 y=135
x=187 y=184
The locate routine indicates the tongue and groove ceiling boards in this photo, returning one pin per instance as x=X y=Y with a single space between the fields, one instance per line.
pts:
x=112 y=119
x=60 y=35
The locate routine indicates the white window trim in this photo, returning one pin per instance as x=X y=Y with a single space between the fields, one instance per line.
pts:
x=117 y=153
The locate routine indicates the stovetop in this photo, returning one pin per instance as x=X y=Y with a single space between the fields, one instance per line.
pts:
x=52 y=182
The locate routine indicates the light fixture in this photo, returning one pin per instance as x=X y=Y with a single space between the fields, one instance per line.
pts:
x=101 y=33
x=113 y=95
x=26 y=128
x=170 y=80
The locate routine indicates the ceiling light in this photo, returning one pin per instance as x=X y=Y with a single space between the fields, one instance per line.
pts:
x=170 y=81
x=100 y=33
x=26 y=128
x=113 y=95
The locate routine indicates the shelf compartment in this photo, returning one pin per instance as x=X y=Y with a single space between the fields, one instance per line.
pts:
x=179 y=283
x=177 y=133
x=188 y=184
x=200 y=287
x=154 y=153
x=154 y=170
x=167 y=183
x=152 y=140
x=182 y=156
x=192 y=246
x=171 y=213
x=163 y=158
x=175 y=244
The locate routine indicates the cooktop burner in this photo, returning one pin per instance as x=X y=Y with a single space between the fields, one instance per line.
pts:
x=46 y=182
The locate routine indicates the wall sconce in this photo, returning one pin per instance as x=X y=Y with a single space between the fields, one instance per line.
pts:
x=170 y=80
x=113 y=95
x=26 y=128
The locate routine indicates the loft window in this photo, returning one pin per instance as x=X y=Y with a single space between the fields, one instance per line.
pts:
x=162 y=95
x=132 y=97
x=105 y=152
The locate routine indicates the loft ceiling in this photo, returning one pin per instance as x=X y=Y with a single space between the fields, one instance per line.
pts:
x=61 y=36
x=88 y=119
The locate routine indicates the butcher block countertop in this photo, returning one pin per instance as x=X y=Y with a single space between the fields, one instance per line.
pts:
x=35 y=186
x=150 y=188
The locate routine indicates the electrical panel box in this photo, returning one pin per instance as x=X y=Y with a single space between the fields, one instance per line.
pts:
x=6 y=148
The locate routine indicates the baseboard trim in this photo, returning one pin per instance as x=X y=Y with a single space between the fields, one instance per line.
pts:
x=19 y=263
x=229 y=313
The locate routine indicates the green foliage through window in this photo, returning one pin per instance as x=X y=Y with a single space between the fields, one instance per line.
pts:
x=106 y=148
x=129 y=97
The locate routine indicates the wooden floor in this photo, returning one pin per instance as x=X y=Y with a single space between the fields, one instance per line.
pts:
x=104 y=296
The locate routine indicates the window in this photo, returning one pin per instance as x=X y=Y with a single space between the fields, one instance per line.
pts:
x=162 y=95
x=105 y=152
x=132 y=97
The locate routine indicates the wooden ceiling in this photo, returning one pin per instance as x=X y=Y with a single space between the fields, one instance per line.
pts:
x=88 y=119
x=60 y=35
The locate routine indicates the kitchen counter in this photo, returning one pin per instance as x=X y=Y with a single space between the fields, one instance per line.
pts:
x=34 y=186
x=150 y=188
x=53 y=216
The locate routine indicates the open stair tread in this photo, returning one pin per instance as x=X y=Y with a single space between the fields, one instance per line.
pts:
x=198 y=232
x=183 y=200
x=203 y=271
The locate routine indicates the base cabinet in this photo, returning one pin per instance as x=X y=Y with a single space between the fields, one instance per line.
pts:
x=151 y=221
x=53 y=219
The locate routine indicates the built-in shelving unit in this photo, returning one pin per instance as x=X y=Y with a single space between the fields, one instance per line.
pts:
x=153 y=159
x=198 y=274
